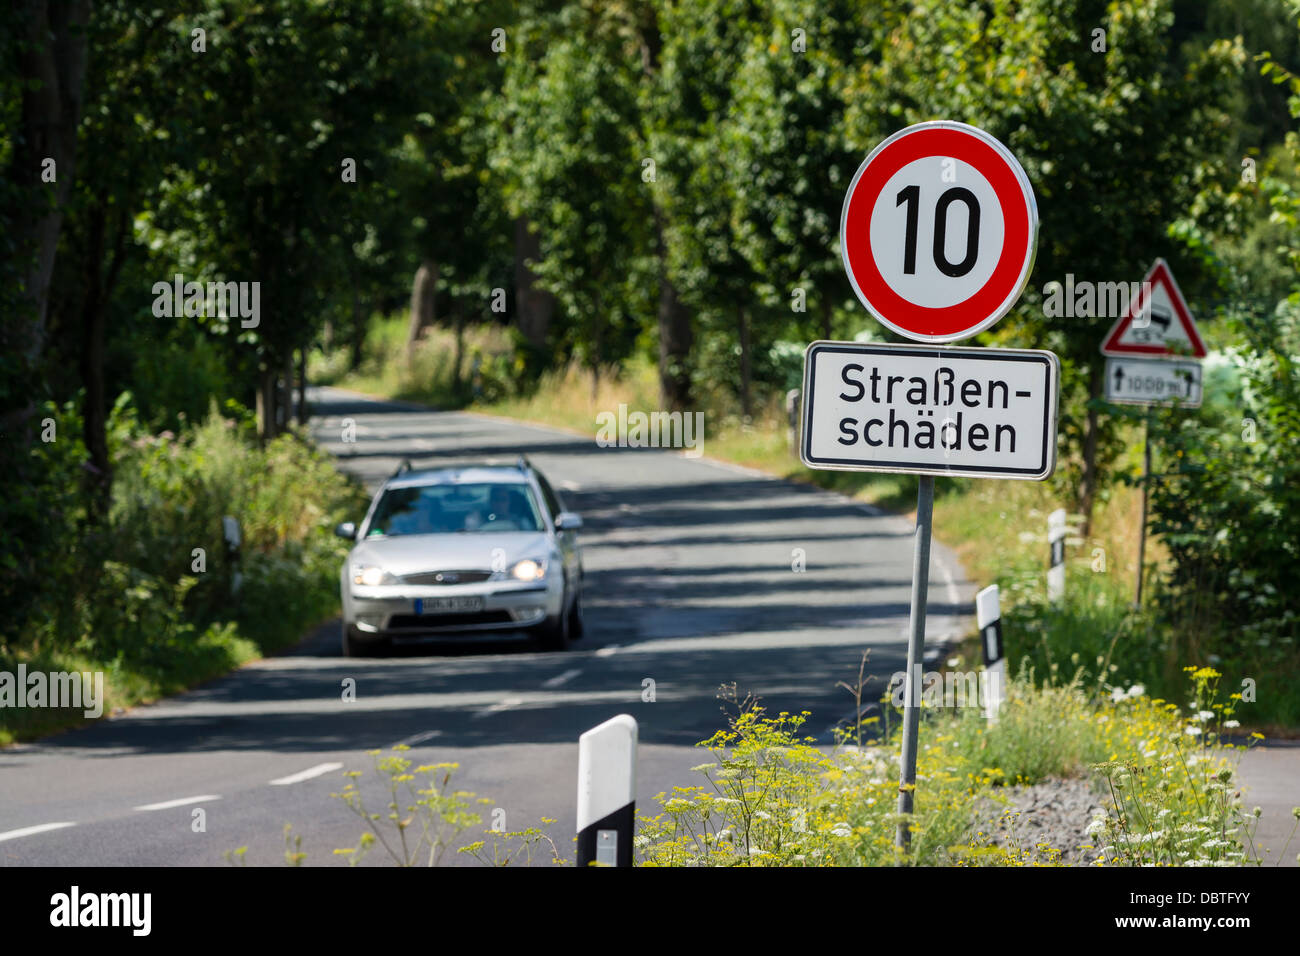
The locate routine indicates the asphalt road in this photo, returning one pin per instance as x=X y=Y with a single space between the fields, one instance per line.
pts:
x=690 y=584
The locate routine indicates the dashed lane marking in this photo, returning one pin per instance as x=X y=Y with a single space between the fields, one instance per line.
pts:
x=300 y=776
x=30 y=831
x=183 y=801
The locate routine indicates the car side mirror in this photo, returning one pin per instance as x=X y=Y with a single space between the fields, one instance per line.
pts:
x=348 y=530
x=568 y=521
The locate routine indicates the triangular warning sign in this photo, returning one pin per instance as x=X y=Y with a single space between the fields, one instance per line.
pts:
x=1162 y=326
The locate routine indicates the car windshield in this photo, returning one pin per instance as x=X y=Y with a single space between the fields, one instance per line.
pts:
x=453 y=508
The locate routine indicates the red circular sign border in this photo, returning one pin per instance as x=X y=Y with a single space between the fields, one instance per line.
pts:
x=995 y=297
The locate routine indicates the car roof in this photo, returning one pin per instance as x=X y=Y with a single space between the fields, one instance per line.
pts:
x=459 y=474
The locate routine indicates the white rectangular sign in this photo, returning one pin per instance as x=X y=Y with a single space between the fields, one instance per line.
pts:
x=1139 y=381
x=981 y=413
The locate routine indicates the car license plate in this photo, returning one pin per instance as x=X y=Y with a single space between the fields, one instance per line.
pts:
x=448 y=605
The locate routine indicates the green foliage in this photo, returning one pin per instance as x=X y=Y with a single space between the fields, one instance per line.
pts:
x=1179 y=804
x=760 y=807
x=570 y=164
x=132 y=595
x=1228 y=510
x=423 y=822
x=773 y=798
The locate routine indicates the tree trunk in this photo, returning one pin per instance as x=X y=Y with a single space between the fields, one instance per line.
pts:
x=533 y=306
x=458 y=360
x=51 y=59
x=423 y=292
x=357 y=338
x=302 y=387
x=99 y=281
x=746 y=397
x=94 y=413
x=675 y=340
x=284 y=414
x=1088 y=483
x=266 y=413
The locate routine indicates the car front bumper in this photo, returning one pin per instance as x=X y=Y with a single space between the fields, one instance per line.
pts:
x=390 y=611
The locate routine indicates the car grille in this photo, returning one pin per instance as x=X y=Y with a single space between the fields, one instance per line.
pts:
x=446 y=577
x=426 y=622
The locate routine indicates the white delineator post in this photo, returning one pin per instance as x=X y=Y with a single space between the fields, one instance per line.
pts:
x=230 y=532
x=607 y=792
x=988 y=616
x=1056 y=560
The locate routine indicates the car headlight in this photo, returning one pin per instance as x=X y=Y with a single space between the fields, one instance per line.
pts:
x=528 y=570
x=371 y=576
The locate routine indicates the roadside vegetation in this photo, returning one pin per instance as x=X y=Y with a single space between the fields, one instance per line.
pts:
x=771 y=797
x=149 y=598
x=1164 y=773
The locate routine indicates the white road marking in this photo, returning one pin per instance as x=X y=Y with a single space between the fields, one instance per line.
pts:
x=609 y=651
x=168 y=804
x=953 y=597
x=28 y=831
x=307 y=774
x=418 y=738
x=500 y=706
x=570 y=485
x=559 y=679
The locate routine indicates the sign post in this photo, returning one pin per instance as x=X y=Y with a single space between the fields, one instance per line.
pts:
x=938 y=234
x=1142 y=531
x=915 y=653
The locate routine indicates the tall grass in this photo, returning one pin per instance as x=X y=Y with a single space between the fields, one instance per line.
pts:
x=147 y=596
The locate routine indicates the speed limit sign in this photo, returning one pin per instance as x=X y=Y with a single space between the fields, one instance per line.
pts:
x=938 y=231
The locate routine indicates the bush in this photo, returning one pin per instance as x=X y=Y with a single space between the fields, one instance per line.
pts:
x=1228 y=511
x=773 y=798
x=146 y=593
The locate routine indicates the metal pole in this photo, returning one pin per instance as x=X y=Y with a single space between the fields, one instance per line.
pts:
x=1142 y=531
x=915 y=650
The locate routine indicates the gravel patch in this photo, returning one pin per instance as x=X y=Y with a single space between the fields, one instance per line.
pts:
x=1052 y=815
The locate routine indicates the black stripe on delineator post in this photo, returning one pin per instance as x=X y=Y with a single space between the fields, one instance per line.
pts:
x=992 y=641
x=608 y=841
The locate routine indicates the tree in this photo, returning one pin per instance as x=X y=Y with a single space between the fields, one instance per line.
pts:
x=567 y=154
x=1117 y=131
x=302 y=158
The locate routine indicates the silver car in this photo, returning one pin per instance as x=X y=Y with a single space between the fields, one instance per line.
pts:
x=462 y=550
